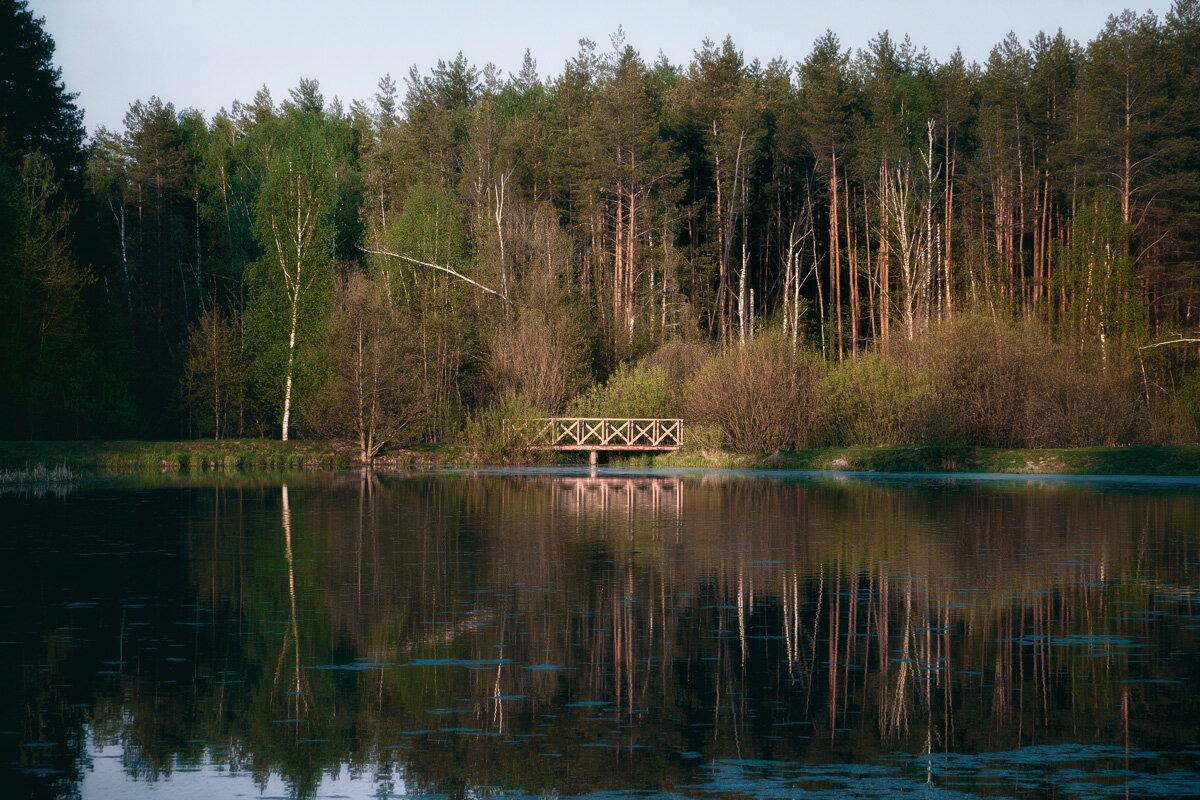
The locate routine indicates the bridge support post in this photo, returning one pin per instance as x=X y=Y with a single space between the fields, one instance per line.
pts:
x=593 y=455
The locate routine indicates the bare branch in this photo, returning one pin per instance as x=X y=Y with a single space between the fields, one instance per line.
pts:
x=1177 y=340
x=446 y=270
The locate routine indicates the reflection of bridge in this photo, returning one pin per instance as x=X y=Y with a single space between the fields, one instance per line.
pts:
x=596 y=435
x=658 y=496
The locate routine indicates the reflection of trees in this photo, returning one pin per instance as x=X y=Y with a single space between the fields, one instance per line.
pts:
x=297 y=699
x=733 y=618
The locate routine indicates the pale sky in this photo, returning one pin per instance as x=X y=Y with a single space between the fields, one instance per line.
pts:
x=205 y=54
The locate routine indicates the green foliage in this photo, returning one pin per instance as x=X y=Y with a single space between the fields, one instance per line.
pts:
x=216 y=373
x=294 y=224
x=638 y=392
x=37 y=113
x=52 y=381
x=1178 y=420
x=872 y=400
x=442 y=308
x=1096 y=273
x=429 y=228
x=497 y=433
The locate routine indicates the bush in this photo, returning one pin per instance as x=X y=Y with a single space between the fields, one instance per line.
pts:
x=495 y=432
x=1000 y=384
x=1083 y=398
x=763 y=397
x=872 y=400
x=637 y=392
x=681 y=360
x=1184 y=413
x=1171 y=389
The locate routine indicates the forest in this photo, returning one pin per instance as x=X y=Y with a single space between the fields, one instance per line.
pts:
x=867 y=247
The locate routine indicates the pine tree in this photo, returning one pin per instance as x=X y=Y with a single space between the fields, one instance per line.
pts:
x=37 y=113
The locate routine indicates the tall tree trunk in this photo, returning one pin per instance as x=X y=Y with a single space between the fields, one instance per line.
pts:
x=722 y=236
x=630 y=275
x=619 y=256
x=851 y=271
x=884 y=259
x=291 y=361
x=946 y=278
x=835 y=278
x=500 y=191
x=870 y=269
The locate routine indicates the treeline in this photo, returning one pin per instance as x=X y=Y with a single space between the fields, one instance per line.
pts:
x=424 y=262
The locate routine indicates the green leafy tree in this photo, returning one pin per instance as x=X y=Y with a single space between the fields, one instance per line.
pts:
x=294 y=226
x=1124 y=104
x=631 y=167
x=1171 y=266
x=43 y=316
x=434 y=133
x=724 y=109
x=827 y=97
x=427 y=250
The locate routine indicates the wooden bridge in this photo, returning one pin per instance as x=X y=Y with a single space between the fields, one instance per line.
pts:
x=598 y=435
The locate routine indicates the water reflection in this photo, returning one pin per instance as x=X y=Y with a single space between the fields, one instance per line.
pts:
x=659 y=497
x=538 y=633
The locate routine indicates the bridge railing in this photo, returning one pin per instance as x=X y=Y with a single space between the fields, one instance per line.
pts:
x=597 y=433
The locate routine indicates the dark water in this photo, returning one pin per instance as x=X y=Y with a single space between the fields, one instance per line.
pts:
x=537 y=634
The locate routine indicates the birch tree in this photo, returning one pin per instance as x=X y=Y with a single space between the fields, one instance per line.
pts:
x=294 y=226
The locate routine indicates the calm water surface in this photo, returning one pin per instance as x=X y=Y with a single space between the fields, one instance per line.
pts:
x=524 y=634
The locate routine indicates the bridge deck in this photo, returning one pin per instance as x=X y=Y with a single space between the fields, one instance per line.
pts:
x=599 y=434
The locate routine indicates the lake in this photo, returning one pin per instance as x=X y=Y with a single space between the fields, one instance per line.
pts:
x=602 y=634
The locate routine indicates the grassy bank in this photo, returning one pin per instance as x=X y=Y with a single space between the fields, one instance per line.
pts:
x=1133 y=460
x=128 y=457
x=125 y=457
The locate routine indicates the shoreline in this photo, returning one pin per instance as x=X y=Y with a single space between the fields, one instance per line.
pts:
x=119 y=458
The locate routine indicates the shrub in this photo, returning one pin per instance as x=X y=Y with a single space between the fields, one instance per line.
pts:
x=1082 y=397
x=1184 y=412
x=495 y=434
x=763 y=396
x=1000 y=384
x=1170 y=386
x=872 y=400
x=638 y=392
x=680 y=360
